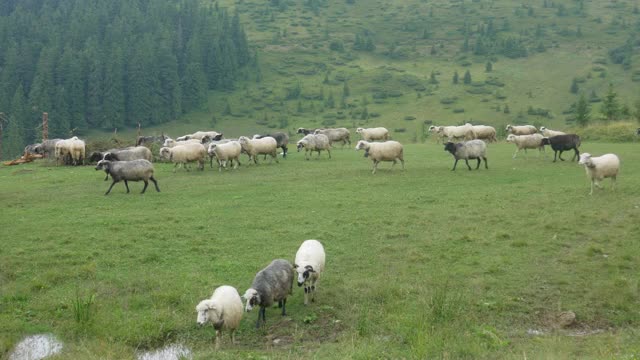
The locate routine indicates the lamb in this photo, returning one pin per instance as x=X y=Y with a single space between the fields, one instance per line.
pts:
x=47 y=147
x=598 y=168
x=562 y=143
x=223 y=310
x=533 y=141
x=198 y=135
x=309 y=263
x=254 y=147
x=135 y=170
x=305 y=131
x=455 y=132
x=183 y=154
x=372 y=134
x=224 y=152
x=384 y=151
x=473 y=149
x=282 y=140
x=521 y=130
x=169 y=142
x=313 y=142
x=335 y=135
x=549 y=133
x=484 y=132
x=273 y=283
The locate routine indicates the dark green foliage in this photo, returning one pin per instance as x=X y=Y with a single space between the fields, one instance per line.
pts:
x=610 y=106
x=116 y=63
x=364 y=42
x=455 y=77
x=467 y=77
x=582 y=113
x=488 y=67
x=574 y=86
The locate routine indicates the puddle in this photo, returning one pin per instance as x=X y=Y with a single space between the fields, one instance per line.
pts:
x=169 y=352
x=36 y=347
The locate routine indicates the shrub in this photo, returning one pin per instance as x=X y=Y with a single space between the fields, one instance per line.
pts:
x=614 y=132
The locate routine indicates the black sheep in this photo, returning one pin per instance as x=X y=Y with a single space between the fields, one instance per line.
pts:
x=563 y=143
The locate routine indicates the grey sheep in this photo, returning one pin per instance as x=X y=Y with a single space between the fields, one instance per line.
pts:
x=282 y=140
x=474 y=149
x=271 y=284
x=135 y=170
x=314 y=142
x=47 y=147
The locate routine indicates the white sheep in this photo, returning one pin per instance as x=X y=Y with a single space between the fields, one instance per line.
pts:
x=223 y=310
x=435 y=130
x=521 y=130
x=73 y=147
x=314 y=142
x=309 y=264
x=598 y=168
x=255 y=147
x=549 y=133
x=533 y=141
x=384 y=151
x=458 y=132
x=335 y=135
x=169 y=142
x=484 y=132
x=198 y=135
x=224 y=152
x=271 y=284
x=372 y=134
x=183 y=154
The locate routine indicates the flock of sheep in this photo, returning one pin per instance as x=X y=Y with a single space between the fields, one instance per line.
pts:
x=135 y=163
x=271 y=285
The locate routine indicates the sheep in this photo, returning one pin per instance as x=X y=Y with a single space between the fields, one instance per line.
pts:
x=305 y=131
x=562 y=143
x=142 y=140
x=549 y=133
x=198 y=135
x=533 y=141
x=31 y=149
x=73 y=147
x=47 y=147
x=484 y=132
x=169 y=142
x=598 y=168
x=521 y=130
x=473 y=149
x=437 y=132
x=183 y=154
x=223 y=310
x=135 y=170
x=455 y=132
x=372 y=134
x=273 y=283
x=224 y=152
x=282 y=140
x=309 y=263
x=129 y=153
x=335 y=135
x=254 y=147
x=313 y=142
x=384 y=151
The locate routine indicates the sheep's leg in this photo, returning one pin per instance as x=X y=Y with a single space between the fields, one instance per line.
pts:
x=155 y=183
x=274 y=156
x=175 y=167
x=284 y=307
x=560 y=155
x=233 y=337
x=110 y=187
x=313 y=290
x=613 y=183
x=466 y=161
x=591 y=193
x=486 y=165
x=126 y=184
x=402 y=162
x=329 y=152
x=455 y=164
x=146 y=183
x=217 y=339
x=106 y=177
x=555 y=153
x=306 y=294
x=394 y=163
x=375 y=166
x=515 y=154
x=576 y=154
x=479 y=161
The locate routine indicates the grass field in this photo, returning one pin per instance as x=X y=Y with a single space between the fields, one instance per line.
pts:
x=421 y=263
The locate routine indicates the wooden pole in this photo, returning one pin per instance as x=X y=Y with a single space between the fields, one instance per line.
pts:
x=2 y=120
x=45 y=126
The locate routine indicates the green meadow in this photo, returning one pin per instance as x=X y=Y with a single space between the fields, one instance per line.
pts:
x=421 y=263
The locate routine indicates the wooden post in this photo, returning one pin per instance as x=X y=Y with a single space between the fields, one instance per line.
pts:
x=45 y=126
x=1 y=127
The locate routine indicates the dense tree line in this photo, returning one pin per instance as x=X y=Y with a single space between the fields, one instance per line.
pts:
x=107 y=64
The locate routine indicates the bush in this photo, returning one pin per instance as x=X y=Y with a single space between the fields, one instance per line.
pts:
x=409 y=117
x=458 y=110
x=613 y=132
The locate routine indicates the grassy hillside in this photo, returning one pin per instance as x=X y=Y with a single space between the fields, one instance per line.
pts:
x=305 y=52
x=422 y=263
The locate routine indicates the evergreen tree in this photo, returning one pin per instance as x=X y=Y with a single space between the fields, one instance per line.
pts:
x=113 y=101
x=488 y=67
x=636 y=110
x=365 y=114
x=455 y=77
x=432 y=78
x=610 y=106
x=574 y=86
x=506 y=109
x=467 y=77
x=345 y=90
x=330 y=103
x=14 y=129
x=582 y=111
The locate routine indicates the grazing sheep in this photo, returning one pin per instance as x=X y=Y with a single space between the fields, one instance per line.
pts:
x=549 y=133
x=309 y=264
x=335 y=135
x=384 y=151
x=372 y=134
x=135 y=170
x=224 y=152
x=47 y=147
x=521 y=130
x=223 y=310
x=473 y=149
x=484 y=132
x=183 y=154
x=305 y=131
x=144 y=140
x=598 y=168
x=282 y=140
x=199 y=135
x=271 y=284
x=31 y=149
x=561 y=143
x=313 y=142
x=255 y=147
x=533 y=141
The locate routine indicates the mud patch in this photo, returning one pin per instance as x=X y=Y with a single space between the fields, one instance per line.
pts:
x=36 y=347
x=169 y=352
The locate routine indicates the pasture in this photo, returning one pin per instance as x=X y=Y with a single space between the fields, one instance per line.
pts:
x=421 y=263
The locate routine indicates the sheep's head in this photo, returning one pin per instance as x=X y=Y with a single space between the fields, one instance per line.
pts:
x=253 y=299
x=95 y=156
x=508 y=128
x=450 y=147
x=585 y=159
x=511 y=138
x=300 y=131
x=103 y=165
x=545 y=141
x=207 y=312
x=542 y=128
x=212 y=149
x=217 y=137
x=183 y=138
x=257 y=136
x=301 y=144
x=303 y=273
x=359 y=130
x=165 y=152
x=168 y=142
x=363 y=145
